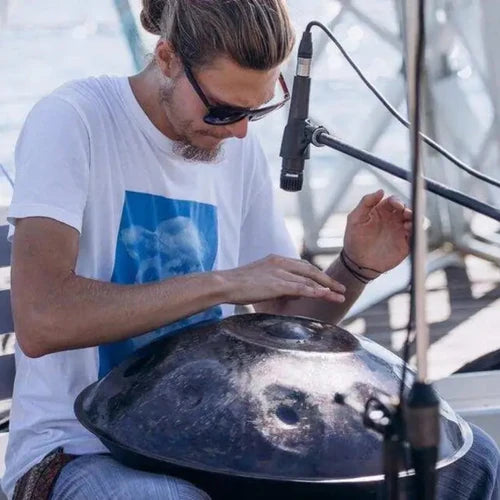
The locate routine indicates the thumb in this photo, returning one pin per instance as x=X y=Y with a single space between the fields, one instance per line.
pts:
x=368 y=202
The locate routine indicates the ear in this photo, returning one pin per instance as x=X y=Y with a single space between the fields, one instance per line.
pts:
x=167 y=60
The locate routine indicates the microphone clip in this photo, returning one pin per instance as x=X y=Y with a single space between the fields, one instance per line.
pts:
x=296 y=151
x=314 y=131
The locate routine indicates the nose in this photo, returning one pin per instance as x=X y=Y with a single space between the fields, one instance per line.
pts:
x=239 y=129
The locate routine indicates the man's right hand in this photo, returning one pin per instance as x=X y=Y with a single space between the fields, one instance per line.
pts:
x=279 y=277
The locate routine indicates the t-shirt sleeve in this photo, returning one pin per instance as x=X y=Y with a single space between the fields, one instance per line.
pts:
x=52 y=161
x=263 y=230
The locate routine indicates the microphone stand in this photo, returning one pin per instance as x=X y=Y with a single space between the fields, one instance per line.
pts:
x=381 y=414
x=414 y=419
x=319 y=136
x=421 y=408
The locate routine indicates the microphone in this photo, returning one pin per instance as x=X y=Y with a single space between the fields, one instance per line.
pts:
x=295 y=143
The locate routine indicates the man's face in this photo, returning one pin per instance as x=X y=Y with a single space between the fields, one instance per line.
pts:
x=223 y=82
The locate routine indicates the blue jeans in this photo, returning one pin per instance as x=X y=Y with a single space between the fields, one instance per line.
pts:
x=476 y=476
x=100 y=477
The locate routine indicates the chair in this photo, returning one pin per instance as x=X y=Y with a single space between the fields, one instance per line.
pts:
x=7 y=366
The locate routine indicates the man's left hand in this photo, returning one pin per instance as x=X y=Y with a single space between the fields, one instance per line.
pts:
x=378 y=232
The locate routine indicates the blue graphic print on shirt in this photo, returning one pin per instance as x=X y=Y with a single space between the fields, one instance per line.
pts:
x=160 y=238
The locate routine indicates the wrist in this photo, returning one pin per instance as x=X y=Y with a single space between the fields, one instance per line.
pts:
x=362 y=273
x=221 y=285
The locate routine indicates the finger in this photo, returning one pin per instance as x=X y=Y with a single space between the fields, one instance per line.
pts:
x=304 y=268
x=295 y=289
x=395 y=203
x=309 y=282
x=369 y=201
x=392 y=206
x=296 y=278
x=327 y=294
x=407 y=215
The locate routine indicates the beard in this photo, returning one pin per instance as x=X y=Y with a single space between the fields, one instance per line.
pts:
x=183 y=146
x=193 y=153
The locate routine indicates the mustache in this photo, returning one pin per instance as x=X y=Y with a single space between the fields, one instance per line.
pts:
x=206 y=133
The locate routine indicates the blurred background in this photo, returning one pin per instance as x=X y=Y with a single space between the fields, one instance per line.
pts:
x=46 y=43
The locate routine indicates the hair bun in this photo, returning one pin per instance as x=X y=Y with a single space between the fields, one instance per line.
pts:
x=151 y=15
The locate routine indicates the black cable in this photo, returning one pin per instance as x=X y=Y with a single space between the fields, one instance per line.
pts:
x=440 y=149
x=437 y=147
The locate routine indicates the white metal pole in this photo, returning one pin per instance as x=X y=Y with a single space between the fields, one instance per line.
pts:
x=420 y=238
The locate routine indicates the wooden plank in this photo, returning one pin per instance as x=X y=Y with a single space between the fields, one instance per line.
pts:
x=463 y=310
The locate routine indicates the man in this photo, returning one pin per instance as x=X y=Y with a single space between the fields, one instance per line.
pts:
x=141 y=206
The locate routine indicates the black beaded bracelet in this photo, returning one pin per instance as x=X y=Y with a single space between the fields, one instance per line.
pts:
x=358 y=266
x=363 y=279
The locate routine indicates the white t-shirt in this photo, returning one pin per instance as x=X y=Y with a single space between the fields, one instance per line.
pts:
x=89 y=156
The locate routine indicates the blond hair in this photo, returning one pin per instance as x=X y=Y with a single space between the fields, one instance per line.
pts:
x=255 y=34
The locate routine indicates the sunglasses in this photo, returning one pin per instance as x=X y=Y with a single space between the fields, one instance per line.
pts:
x=226 y=115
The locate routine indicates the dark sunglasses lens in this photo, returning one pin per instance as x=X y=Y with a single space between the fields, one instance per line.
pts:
x=258 y=114
x=224 y=116
x=227 y=116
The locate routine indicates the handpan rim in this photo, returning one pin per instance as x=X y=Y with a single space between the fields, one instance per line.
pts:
x=121 y=445
x=105 y=439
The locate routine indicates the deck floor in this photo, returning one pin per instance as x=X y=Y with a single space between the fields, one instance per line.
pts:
x=463 y=307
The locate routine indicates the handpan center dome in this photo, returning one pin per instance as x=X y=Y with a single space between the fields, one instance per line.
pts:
x=291 y=333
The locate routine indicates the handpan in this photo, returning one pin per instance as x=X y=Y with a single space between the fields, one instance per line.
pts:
x=245 y=408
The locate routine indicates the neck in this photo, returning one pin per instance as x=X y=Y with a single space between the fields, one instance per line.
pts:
x=146 y=88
